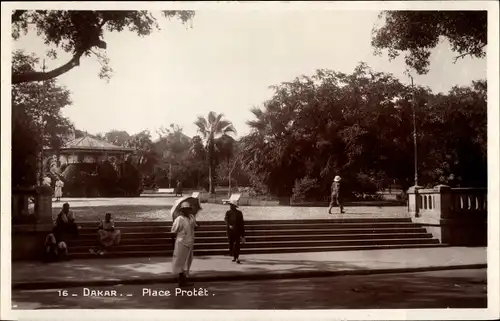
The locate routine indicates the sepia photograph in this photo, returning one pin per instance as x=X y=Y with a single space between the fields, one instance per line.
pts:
x=209 y=156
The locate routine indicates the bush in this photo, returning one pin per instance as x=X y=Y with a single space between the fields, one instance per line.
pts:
x=305 y=189
x=130 y=180
x=108 y=178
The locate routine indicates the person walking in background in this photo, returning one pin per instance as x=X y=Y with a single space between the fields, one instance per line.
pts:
x=183 y=227
x=58 y=190
x=178 y=188
x=336 y=196
x=235 y=226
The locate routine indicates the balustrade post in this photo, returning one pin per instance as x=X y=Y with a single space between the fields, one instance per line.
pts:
x=43 y=205
x=414 y=202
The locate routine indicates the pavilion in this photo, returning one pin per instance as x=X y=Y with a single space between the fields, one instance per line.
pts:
x=91 y=151
x=82 y=157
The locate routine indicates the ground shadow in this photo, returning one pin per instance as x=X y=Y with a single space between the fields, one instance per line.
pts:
x=424 y=290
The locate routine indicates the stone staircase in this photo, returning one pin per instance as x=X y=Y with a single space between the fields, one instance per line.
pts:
x=153 y=238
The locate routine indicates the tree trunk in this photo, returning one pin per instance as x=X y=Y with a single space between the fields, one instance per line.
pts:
x=211 y=186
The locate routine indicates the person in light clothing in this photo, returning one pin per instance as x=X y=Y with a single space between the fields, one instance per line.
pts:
x=58 y=192
x=336 y=196
x=183 y=227
x=109 y=236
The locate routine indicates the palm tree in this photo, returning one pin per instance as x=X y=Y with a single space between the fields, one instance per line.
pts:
x=211 y=129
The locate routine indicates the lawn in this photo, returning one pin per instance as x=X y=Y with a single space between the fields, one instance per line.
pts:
x=158 y=209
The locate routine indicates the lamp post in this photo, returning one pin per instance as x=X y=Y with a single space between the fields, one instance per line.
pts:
x=415 y=153
x=415 y=149
x=413 y=104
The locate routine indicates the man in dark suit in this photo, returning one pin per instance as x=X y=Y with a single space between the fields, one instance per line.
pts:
x=235 y=230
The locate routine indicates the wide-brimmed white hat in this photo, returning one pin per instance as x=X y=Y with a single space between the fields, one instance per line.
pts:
x=337 y=179
x=232 y=203
x=185 y=205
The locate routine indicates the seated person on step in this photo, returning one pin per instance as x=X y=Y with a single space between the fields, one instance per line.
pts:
x=55 y=247
x=107 y=234
x=66 y=222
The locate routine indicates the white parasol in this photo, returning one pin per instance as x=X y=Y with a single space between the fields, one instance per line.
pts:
x=193 y=201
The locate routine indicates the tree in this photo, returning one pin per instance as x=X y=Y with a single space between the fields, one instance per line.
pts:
x=81 y=33
x=417 y=32
x=197 y=159
x=146 y=156
x=230 y=169
x=455 y=136
x=117 y=137
x=173 y=146
x=36 y=120
x=211 y=129
x=224 y=148
x=316 y=127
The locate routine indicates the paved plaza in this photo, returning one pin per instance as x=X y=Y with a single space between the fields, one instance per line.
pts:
x=157 y=208
x=156 y=269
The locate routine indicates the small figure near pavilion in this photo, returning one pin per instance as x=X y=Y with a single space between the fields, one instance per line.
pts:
x=58 y=190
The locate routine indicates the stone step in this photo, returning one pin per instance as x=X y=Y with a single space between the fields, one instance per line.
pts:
x=168 y=253
x=334 y=219
x=91 y=235
x=255 y=245
x=264 y=238
x=221 y=227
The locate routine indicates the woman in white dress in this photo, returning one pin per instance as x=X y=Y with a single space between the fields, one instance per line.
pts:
x=183 y=227
x=58 y=191
x=109 y=236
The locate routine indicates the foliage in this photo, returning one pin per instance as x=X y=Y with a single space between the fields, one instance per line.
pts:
x=455 y=136
x=108 y=178
x=417 y=32
x=348 y=124
x=230 y=172
x=145 y=154
x=36 y=109
x=117 y=137
x=305 y=189
x=130 y=179
x=211 y=129
x=81 y=34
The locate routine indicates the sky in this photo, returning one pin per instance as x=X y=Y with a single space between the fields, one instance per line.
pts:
x=225 y=62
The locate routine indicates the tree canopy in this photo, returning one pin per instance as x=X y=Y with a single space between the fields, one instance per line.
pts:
x=37 y=121
x=81 y=33
x=331 y=123
x=416 y=33
x=214 y=129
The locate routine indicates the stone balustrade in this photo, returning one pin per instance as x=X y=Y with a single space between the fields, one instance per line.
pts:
x=32 y=205
x=31 y=221
x=456 y=216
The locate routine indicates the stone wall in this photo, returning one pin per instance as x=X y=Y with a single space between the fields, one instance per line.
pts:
x=32 y=221
x=455 y=216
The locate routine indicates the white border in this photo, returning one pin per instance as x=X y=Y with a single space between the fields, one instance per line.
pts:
x=414 y=314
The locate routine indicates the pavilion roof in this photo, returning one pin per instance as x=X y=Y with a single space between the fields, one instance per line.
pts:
x=87 y=143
